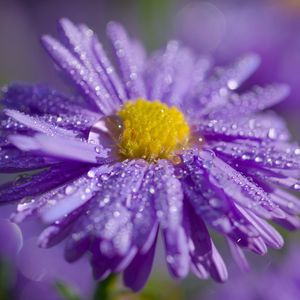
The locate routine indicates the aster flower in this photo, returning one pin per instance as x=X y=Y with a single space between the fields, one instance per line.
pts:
x=253 y=285
x=164 y=143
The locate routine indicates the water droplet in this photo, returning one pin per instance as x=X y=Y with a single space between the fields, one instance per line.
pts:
x=258 y=159
x=25 y=203
x=214 y=202
x=91 y=174
x=173 y=209
x=272 y=133
x=296 y=186
x=245 y=157
x=176 y=159
x=232 y=84
x=297 y=151
x=170 y=259
x=97 y=149
x=116 y=214
x=114 y=125
x=152 y=190
x=69 y=189
x=159 y=214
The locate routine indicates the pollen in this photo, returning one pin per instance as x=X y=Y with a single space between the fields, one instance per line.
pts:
x=152 y=130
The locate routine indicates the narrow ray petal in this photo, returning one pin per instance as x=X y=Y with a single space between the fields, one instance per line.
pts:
x=62 y=147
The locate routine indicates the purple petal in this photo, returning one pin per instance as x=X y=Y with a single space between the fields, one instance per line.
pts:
x=36 y=124
x=144 y=214
x=127 y=55
x=239 y=188
x=201 y=187
x=110 y=219
x=212 y=93
x=218 y=268
x=101 y=267
x=233 y=76
x=74 y=195
x=39 y=99
x=107 y=72
x=13 y=160
x=169 y=208
x=212 y=202
x=137 y=273
x=200 y=271
x=286 y=201
x=267 y=232
x=167 y=74
x=258 y=246
x=259 y=127
x=85 y=46
x=168 y=195
x=104 y=265
x=62 y=147
x=29 y=206
x=285 y=182
x=76 y=247
x=255 y=154
x=177 y=252
x=202 y=251
x=79 y=123
x=57 y=231
x=239 y=256
x=90 y=87
x=290 y=222
x=30 y=185
x=248 y=103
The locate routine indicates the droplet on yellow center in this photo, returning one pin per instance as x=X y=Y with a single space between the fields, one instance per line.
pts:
x=151 y=130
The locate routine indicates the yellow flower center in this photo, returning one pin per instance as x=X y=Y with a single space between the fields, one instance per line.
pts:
x=151 y=130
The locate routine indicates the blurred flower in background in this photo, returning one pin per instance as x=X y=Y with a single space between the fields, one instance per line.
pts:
x=29 y=272
x=280 y=281
x=226 y=29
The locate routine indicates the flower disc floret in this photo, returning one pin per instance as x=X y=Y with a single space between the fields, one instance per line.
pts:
x=151 y=130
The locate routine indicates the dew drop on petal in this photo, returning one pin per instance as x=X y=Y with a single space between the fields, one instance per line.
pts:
x=296 y=186
x=97 y=149
x=151 y=190
x=272 y=134
x=297 y=151
x=69 y=189
x=258 y=159
x=91 y=174
x=232 y=84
